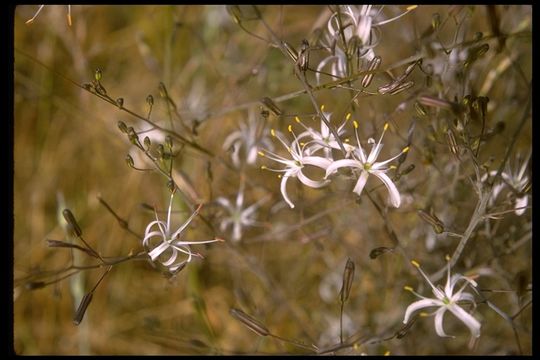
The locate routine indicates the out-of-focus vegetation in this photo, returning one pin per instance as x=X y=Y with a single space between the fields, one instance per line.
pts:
x=287 y=271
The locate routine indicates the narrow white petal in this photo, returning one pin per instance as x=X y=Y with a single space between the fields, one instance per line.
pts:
x=361 y=183
x=395 y=198
x=311 y=183
x=342 y=163
x=521 y=203
x=283 y=188
x=471 y=322
x=439 y=317
x=316 y=161
x=158 y=250
x=417 y=305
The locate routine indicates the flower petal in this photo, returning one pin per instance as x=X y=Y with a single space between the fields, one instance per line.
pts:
x=342 y=163
x=311 y=183
x=361 y=183
x=283 y=188
x=417 y=305
x=469 y=320
x=395 y=198
x=439 y=316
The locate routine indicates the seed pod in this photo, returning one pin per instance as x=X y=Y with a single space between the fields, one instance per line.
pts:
x=436 y=21
x=375 y=253
x=374 y=64
x=271 y=105
x=163 y=90
x=420 y=110
x=407 y=170
x=129 y=161
x=122 y=126
x=120 y=102
x=147 y=142
x=253 y=324
x=88 y=86
x=434 y=221
x=72 y=222
x=303 y=57
x=348 y=276
x=81 y=310
x=168 y=141
x=161 y=151
x=452 y=143
x=171 y=186
x=100 y=89
x=401 y=87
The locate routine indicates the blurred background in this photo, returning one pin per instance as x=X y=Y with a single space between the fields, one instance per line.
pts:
x=287 y=273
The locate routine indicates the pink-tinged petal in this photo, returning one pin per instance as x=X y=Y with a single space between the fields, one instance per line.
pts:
x=154 y=254
x=311 y=183
x=439 y=316
x=395 y=198
x=417 y=305
x=316 y=161
x=361 y=183
x=283 y=188
x=342 y=163
x=468 y=319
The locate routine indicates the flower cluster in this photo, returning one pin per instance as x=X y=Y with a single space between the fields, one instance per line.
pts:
x=352 y=30
x=316 y=148
x=168 y=249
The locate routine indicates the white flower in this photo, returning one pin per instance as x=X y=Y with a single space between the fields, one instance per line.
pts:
x=517 y=180
x=169 y=247
x=294 y=166
x=367 y=166
x=446 y=300
x=246 y=142
x=324 y=139
x=239 y=217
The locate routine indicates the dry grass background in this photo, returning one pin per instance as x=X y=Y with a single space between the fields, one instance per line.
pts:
x=67 y=141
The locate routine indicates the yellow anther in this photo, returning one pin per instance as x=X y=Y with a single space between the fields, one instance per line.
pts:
x=273 y=132
x=406 y=149
x=289 y=128
x=447 y=257
x=393 y=167
x=385 y=127
x=415 y=263
x=347 y=140
x=411 y=7
x=387 y=353
x=263 y=167
x=302 y=144
x=355 y=123
x=424 y=314
x=348 y=116
x=297 y=119
x=279 y=176
x=408 y=288
x=322 y=107
x=260 y=153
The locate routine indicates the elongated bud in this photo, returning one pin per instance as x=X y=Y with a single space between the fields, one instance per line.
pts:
x=438 y=225
x=83 y=306
x=373 y=66
x=375 y=253
x=407 y=170
x=253 y=324
x=401 y=87
x=122 y=126
x=129 y=161
x=436 y=21
x=150 y=100
x=70 y=219
x=161 y=151
x=97 y=75
x=420 y=110
x=120 y=102
x=348 y=276
x=271 y=105
x=100 y=89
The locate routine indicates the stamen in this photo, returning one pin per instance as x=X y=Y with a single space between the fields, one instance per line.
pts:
x=408 y=288
x=415 y=263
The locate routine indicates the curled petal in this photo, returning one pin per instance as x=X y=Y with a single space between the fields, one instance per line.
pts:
x=318 y=161
x=468 y=319
x=420 y=304
x=395 y=198
x=342 y=163
x=439 y=316
x=311 y=183
x=283 y=188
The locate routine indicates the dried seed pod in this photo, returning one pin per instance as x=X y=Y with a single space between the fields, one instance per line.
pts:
x=271 y=105
x=72 y=222
x=129 y=161
x=375 y=253
x=303 y=56
x=147 y=142
x=88 y=86
x=122 y=126
x=348 y=276
x=253 y=324
x=434 y=221
x=374 y=64
x=83 y=306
